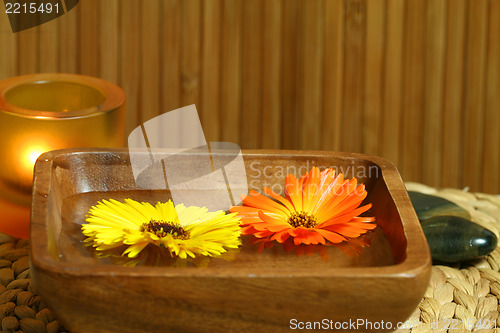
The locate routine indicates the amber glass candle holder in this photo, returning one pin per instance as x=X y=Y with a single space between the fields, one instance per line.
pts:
x=44 y=112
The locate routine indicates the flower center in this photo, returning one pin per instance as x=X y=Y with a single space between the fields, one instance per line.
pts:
x=302 y=219
x=162 y=229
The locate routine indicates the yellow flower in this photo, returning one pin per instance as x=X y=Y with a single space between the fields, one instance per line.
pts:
x=183 y=231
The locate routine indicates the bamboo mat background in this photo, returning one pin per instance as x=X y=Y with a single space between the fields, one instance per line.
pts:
x=414 y=81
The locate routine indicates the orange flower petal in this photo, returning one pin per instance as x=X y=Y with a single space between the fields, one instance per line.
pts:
x=310 y=189
x=273 y=220
x=347 y=230
x=258 y=200
x=326 y=178
x=241 y=209
x=293 y=191
x=261 y=234
x=342 y=218
x=331 y=236
x=281 y=236
x=316 y=238
x=329 y=193
x=305 y=236
x=352 y=201
x=278 y=197
x=347 y=187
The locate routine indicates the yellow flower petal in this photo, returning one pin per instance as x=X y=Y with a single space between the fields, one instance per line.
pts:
x=181 y=231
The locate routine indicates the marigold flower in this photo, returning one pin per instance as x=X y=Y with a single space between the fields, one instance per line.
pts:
x=319 y=208
x=183 y=231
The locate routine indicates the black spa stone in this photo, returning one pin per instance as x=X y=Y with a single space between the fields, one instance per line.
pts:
x=428 y=206
x=454 y=239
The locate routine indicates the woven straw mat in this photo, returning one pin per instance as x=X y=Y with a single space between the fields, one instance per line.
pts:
x=21 y=310
x=460 y=298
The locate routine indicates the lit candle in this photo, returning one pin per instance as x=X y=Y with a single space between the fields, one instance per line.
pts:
x=44 y=112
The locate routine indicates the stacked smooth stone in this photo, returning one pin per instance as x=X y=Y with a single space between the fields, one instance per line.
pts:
x=451 y=234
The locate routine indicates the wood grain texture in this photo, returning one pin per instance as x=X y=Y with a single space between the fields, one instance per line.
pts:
x=413 y=81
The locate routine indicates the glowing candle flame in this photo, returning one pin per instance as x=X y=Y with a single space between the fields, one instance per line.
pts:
x=28 y=159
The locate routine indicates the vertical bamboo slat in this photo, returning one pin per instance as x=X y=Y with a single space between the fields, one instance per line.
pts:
x=170 y=50
x=8 y=49
x=393 y=79
x=433 y=91
x=210 y=67
x=251 y=74
x=271 y=74
x=190 y=60
x=89 y=34
x=375 y=29
x=49 y=45
x=130 y=64
x=474 y=95
x=27 y=45
x=289 y=59
x=354 y=75
x=68 y=42
x=230 y=88
x=333 y=75
x=150 y=60
x=453 y=94
x=491 y=159
x=413 y=90
x=311 y=76
x=109 y=17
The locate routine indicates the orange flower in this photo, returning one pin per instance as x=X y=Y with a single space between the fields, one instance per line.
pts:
x=319 y=208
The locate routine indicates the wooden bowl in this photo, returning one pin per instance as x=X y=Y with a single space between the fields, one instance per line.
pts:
x=273 y=291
